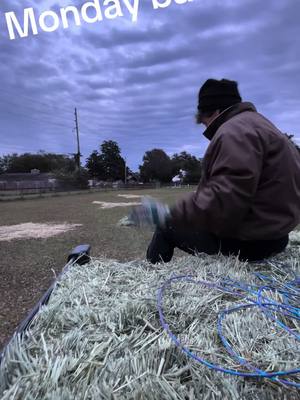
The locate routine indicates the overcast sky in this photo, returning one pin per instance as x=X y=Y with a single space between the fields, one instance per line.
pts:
x=137 y=83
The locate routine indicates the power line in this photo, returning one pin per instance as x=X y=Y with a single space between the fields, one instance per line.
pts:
x=77 y=135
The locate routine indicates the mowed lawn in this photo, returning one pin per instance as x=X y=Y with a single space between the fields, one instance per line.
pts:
x=27 y=266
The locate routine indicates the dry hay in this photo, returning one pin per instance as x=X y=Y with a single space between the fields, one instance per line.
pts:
x=34 y=231
x=106 y=205
x=125 y=221
x=295 y=238
x=130 y=196
x=100 y=336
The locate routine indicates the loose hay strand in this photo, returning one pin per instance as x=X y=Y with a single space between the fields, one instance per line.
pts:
x=100 y=335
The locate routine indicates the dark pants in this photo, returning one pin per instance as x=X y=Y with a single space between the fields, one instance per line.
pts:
x=164 y=242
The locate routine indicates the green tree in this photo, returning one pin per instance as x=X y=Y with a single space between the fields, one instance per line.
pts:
x=44 y=162
x=108 y=164
x=113 y=163
x=156 y=166
x=94 y=165
x=5 y=162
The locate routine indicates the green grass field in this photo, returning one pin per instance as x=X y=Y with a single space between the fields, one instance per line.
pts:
x=27 y=266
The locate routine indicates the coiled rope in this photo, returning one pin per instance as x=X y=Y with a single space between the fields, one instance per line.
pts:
x=255 y=296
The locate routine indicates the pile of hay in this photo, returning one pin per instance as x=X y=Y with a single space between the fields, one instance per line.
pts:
x=105 y=205
x=100 y=336
x=32 y=230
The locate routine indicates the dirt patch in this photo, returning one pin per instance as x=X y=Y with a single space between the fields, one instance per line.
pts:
x=106 y=205
x=34 y=231
x=130 y=196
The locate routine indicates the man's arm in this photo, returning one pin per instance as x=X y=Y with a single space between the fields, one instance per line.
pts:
x=222 y=203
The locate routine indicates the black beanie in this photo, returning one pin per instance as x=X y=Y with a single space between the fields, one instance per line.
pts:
x=215 y=95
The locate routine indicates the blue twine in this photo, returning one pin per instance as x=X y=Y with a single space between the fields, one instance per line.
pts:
x=256 y=297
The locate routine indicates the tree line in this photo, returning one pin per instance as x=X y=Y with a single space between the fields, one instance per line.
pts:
x=106 y=164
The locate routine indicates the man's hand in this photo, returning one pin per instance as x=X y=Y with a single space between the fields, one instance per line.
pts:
x=151 y=213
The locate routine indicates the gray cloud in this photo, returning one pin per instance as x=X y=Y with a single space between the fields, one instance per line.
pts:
x=137 y=83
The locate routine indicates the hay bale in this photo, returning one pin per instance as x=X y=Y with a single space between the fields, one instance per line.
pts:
x=100 y=336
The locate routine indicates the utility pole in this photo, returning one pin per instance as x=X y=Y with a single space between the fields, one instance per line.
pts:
x=125 y=180
x=77 y=156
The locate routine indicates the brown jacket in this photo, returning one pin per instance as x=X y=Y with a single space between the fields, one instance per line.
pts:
x=250 y=188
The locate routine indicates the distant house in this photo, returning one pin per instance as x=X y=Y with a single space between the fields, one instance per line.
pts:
x=31 y=180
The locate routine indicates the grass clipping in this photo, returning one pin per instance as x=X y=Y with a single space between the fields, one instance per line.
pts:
x=100 y=336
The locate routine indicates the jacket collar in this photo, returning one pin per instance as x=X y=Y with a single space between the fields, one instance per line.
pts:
x=225 y=116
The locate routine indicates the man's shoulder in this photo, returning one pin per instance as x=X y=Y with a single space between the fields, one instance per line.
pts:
x=246 y=120
x=248 y=123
